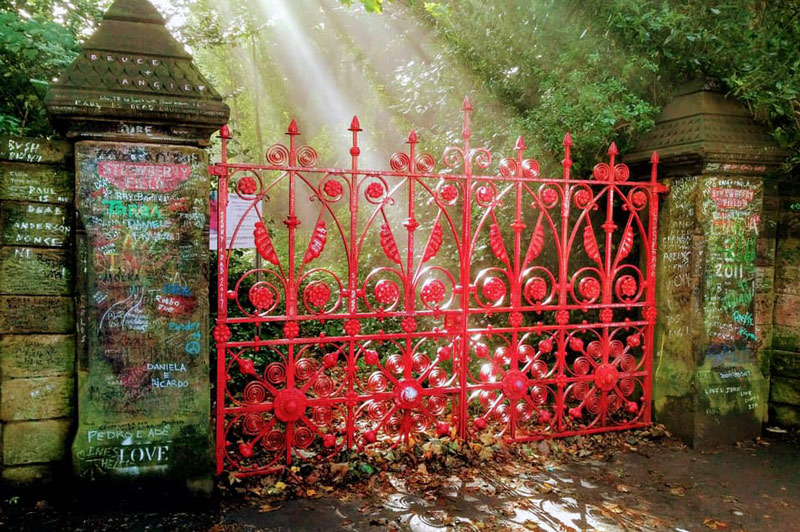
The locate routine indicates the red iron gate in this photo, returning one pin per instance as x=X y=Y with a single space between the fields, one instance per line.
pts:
x=392 y=306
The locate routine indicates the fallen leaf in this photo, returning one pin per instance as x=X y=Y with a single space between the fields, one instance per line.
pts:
x=486 y=454
x=622 y=488
x=613 y=508
x=679 y=491
x=339 y=470
x=715 y=524
x=264 y=508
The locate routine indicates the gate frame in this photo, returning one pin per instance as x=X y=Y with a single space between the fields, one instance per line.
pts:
x=290 y=407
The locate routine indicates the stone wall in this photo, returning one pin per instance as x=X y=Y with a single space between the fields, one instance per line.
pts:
x=784 y=408
x=715 y=307
x=37 y=324
x=143 y=375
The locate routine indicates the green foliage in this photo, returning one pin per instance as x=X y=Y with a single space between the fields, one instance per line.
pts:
x=38 y=40
x=602 y=68
x=555 y=72
x=599 y=68
x=371 y=6
x=751 y=46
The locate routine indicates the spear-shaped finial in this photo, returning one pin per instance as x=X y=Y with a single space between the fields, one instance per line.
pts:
x=613 y=152
x=293 y=130
x=466 y=106
x=412 y=137
x=355 y=151
x=225 y=132
x=520 y=146
x=567 y=162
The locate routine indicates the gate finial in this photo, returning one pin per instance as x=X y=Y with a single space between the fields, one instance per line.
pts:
x=654 y=167
x=355 y=151
x=520 y=146
x=466 y=133
x=567 y=162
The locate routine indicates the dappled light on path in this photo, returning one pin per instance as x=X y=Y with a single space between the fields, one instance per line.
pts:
x=548 y=501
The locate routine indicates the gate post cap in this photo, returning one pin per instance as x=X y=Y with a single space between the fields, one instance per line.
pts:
x=133 y=81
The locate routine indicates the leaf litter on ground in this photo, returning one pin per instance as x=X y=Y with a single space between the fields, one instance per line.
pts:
x=481 y=466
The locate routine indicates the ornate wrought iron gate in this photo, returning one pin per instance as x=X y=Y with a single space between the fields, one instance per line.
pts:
x=393 y=306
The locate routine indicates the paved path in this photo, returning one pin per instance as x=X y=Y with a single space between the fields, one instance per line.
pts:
x=659 y=486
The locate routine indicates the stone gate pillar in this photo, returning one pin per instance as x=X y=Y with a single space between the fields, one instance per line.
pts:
x=715 y=267
x=139 y=113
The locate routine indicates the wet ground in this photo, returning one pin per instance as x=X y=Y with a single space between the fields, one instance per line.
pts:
x=644 y=486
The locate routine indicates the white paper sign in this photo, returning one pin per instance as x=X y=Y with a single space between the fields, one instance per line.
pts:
x=236 y=210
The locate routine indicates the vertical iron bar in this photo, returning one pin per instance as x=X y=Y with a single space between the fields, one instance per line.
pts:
x=222 y=296
x=651 y=288
x=291 y=290
x=352 y=279
x=515 y=279
x=466 y=288
x=563 y=260
x=609 y=227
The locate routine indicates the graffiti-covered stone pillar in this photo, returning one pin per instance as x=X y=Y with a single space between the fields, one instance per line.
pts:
x=139 y=113
x=715 y=267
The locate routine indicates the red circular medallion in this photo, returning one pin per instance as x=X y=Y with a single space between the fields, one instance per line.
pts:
x=408 y=394
x=514 y=384
x=289 y=405
x=606 y=376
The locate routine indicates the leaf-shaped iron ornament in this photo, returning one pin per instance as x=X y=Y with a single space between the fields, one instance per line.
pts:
x=537 y=242
x=434 y=243
x=317 y=243
x=590 y=243
x=496 y=241
x=626 y=244
x=264 y=244
x=388 y=244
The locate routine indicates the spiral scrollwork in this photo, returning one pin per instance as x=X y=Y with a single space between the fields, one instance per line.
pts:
x=306 y=156
x=278 y=155
x=254 y=392
x=303 y=437
x=425 y=163
x=274 y=441
x=508 y=167
x=322 y=415
x=252 y=424
x=276 y=373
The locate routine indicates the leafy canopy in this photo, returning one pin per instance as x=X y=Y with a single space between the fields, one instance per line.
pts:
x=599 y=68
x=38 y=39
x=602 y=68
